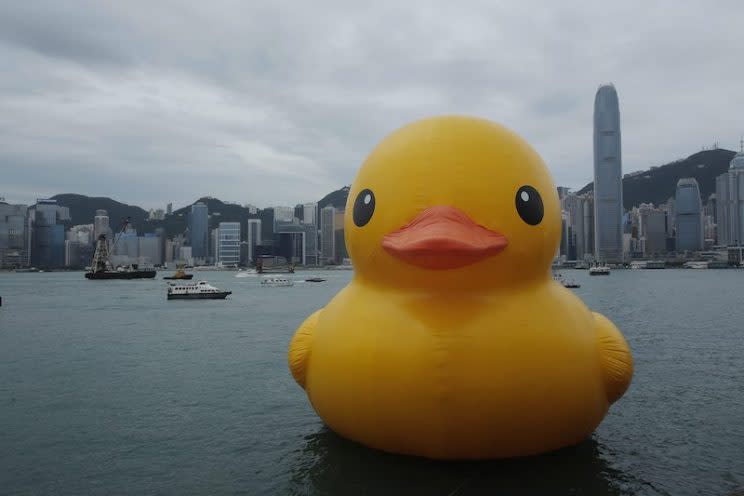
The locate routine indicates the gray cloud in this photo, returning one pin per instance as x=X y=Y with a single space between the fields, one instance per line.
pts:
x=279 y=102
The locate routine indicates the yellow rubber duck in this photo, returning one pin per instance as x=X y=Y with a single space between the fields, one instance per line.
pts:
x=453 y=341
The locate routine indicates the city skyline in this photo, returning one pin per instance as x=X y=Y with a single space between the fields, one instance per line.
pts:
x=247 y=102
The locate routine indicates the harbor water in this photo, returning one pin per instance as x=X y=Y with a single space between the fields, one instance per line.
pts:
x=108 y=388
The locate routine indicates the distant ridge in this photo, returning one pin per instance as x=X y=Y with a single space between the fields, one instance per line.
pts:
x=655 y=185
x=335 y=198
x=83 y=209
x=658 y=184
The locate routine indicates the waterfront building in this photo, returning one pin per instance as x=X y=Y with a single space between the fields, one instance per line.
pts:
x=149 y=251
x=101 y=226
x=730 y=207
x=185 y=255
x=47 y=231
x=580 y=225
x=14 y=245
x=328 y=235
x=689 y=220
x=608 y=185
x=228 y=244
x=253 y=239
x=652 y=230
x=199 y=230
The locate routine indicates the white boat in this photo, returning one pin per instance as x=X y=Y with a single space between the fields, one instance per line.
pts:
x=247 y=273
x=277 y=281
x=201 y=290
x=696 y=265
x=599 y=270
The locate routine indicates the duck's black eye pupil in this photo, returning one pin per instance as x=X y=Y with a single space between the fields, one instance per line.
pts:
x=529 y=205
x=364 y=207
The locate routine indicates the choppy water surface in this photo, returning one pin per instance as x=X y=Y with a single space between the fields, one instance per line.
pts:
x=107 y=388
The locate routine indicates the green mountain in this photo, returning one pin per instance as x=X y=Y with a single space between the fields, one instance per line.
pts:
x=336 y=198
x=655 y=185
x=83 y=209
x=658 y=184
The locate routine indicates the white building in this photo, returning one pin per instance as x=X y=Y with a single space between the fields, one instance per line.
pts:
x=228 y=244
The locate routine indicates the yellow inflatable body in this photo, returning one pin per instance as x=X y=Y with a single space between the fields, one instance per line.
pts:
x=453 y=341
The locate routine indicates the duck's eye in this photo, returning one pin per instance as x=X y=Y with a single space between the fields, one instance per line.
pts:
x=364 y=207
x=529 y=205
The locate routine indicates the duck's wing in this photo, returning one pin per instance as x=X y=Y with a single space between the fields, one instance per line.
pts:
x=299 y=348
x=617 y=362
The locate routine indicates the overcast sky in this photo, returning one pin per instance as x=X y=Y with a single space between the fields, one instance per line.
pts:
x=279 y=102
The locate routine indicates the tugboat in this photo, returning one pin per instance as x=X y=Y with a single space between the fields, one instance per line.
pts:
x=180 y=274
x=195 y=291
x=101 y=267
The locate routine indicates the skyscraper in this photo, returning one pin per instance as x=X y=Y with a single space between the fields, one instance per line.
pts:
x=228 y=244
x=689 y=215
x=253 y=238
x=13 y=235
x=101 y=226
x=608 y=181
x=199 y=231
x=328 y=235
x=730 y=203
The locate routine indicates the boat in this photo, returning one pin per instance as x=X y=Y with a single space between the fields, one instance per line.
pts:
x=277 y=281
x=101 y=267
x=201 y=290
x=315 y=279
x=247 y=273
x=696 y=265
x=180 y=274
x=599 y=270
x=28 y=269
x=570 y=283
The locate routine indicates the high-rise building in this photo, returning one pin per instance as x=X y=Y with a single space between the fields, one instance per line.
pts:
x=149 y=249
x=199 y=231
x=228 y=245
x=309 y=215
x=13 y=236
x=101 y=226
x=169 y=209
x=608 y=184
x=730 y=203
x=580 y=225
x=328 y=235
x=689 y=218
x=253 y=238
x=652 y=229
x=48 y=233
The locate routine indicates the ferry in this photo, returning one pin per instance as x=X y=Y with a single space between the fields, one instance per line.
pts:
x=599 y=270
x=277 y=281
x=201 y=290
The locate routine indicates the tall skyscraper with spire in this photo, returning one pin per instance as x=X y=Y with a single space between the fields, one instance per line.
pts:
x=608 y=177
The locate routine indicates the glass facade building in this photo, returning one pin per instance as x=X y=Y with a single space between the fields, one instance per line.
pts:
x=689 y=218
x=199 y=231
x=228 y=244
x=608 y=180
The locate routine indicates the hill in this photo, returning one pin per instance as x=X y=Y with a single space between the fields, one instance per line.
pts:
x=83 y=209
x=336 y=198
x=658 y=184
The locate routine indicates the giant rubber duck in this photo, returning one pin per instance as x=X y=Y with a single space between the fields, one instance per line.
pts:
x=452 y=340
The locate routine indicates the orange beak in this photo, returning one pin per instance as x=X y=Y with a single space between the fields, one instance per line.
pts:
x=443 y=237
